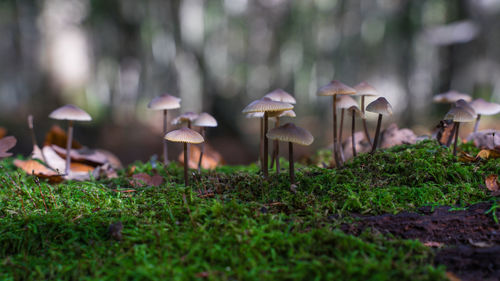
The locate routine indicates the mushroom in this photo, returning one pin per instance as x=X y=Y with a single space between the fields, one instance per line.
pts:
x=165 y=102
x=451 y=97
x=185 y=135
x=204 y=120
x=276 y=149
x=267 y=106
x=483 y=107
x=466 y=106
x=291 y=134
x=363 y=90
x=186 y=117
x=458 y=115
x=382 y=107
x=354 y=110
x=71 y=113
x=332 y=89
x=343 y=103
x=282 y=96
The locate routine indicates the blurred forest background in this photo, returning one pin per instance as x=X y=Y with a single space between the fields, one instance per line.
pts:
x=111 y=57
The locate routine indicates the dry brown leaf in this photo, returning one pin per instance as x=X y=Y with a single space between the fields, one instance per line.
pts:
x=36 y=168
x=53 y=160
x=79 y=167
x=82 y=154
x=6 y=144
x=3 y=132
x=433 y=244
x=467 y=158
x=143 y=179
x=492 y=183
x=393 y=136
x=488 y=154
x=211 y=158
x=57 y=136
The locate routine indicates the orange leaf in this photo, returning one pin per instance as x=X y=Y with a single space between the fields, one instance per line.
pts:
x=488 y=154
x=36 y=168
x=211 y=158
x=492 y=182
x=57 y=136
x=3 y=132
x=79 y=167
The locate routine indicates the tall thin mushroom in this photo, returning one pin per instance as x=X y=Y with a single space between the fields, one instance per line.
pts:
x=353 y=111
x=276 y=149
x=185 y=118
x=204 y=120
x=382 y=107
x=185 y=136
x=343 y=103
x=363 y=90
x=332 y=89
x=483 y=107
x=451 y=97
x=70 y=113
x=165 y=102
x=458 y=115
x=266 y=105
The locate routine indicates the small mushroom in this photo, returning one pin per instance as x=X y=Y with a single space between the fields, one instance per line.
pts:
x=164 y=103
x=267 y=106
x=186 y=117
x=332 y=89
x=291 y=134
x=382 y=107
x=466 y=106
x=185 y=135
x=483 y=107
x=276 y=148
x=71 y=113
x=343 y=103
x=451 y=97
x=204 y=120
x=354 y=110
x=458 y=115
x=363 y=90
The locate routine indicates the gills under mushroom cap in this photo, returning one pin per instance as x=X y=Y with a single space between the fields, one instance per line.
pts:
x=380 y=106
x=70 y=112
x=459 y=114
x=336 y=88
x=184 y=135
x=485 y=108
x=267 y=105
x=291 y=133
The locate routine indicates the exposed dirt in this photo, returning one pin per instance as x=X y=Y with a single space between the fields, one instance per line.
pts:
x=468 y=241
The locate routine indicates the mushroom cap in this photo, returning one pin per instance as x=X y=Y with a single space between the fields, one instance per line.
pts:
x=466 y=106
x=184 y=135
x=365 y=89
x=288 y=113
x=380 y=106
x=282 y=96
x=165 y=102
x=335 y=88
x=344 y=102
x=459 y=114
x=485 y=108
x=266 y=105
x=355 y=110
x=184 y=117
x=450 y=97
x=205 y=120
x=70 y=112
x=255 y=115
x=291 y=133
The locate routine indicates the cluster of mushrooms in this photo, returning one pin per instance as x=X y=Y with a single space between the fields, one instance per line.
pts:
x=463 y=110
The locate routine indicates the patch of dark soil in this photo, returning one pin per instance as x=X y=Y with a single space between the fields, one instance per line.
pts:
x=470 y=237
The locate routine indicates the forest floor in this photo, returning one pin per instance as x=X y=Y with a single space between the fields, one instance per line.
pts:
x=412 y=212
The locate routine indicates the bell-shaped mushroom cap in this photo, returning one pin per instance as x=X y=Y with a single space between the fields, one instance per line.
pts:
x=165 y=102
x=466 y=106
x=485 y=108
x=451 y=97
x=205 y=120
x=355 y=110
x=185 y=117
x=291 y=133
x=282 y=96
x=380 y=106
x=459 y=114
x=344 y=102
x=70 y=112
x=267 y=105
x=365 y=89
x=336 y=88
x=184 y=135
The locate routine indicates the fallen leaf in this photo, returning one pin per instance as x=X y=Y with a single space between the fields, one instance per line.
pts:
x=143 y=179
x=393 y=136
x=492 y=182
x=82 y=154
x=480 y=244
x=6 y=144
x=466 y=158
x=211 y=158
x=3 y=132
x=57 y=136
x=433 y=244
x=38 y=169
x=53 y=160
x=37 y=153
x=443 y=131
x=487 y=139
x=488 y=154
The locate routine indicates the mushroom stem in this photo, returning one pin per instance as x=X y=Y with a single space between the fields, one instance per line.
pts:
x=32 y=131
x=476 y=126
x=452 y=134
x=202 y=150
x=188 y=148
x=377 y=133
x=335 y=151
x=493 y=134
x=186 y=179
x=261 y=141
x=457 y=125
x=165 y=148
x=266 y=148
x=352 y=138
x=68 y=146
x=276 y=149
x=340 y=135
x=290 y=161
x=367 y=135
